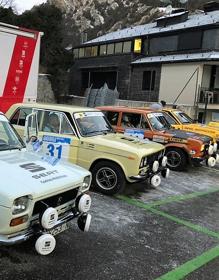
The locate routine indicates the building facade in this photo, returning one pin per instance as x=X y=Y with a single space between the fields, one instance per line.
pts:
x=175 y=58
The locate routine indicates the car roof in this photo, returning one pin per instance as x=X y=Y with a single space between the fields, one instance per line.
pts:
x=56 y=107
x=127 y=109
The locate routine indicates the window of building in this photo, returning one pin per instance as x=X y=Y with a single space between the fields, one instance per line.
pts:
x=87 y=52
x=163 y=44
x=118 y=47
x=76 y=53
x=146 y=46
x=112 y=117
x=190 y=41
x=94 y=51
x=210 y=39
x=81 y=52
x=110 y=49
x=127 y=47
x=103 y=50
x=148 y=81
x=20 y=116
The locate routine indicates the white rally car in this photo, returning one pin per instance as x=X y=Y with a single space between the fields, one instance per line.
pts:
x=38 y=195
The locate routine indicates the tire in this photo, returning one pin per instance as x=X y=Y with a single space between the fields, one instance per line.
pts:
x=176 y=159
x=108 y=178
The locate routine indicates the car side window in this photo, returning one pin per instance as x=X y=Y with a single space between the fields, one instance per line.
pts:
x=65 y=126
x=51 y=122
x=20 y=116
x=144 y=123
x=112 y=117
x=131 y=120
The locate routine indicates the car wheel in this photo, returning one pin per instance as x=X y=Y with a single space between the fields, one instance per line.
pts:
x=176 y=159
x=108 y=178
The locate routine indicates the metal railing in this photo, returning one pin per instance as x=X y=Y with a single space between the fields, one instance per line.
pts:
x=213 y=96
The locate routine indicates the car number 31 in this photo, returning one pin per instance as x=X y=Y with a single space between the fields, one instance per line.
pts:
x=54 y=150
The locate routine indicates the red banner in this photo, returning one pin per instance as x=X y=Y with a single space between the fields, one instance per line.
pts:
x=18 y=72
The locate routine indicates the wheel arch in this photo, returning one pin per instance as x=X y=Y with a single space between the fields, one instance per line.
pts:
x=109 y=160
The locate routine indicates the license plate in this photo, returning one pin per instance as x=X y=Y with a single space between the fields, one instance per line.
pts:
x=58 y=229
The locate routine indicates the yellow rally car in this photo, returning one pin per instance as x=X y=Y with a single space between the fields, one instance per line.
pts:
x=84 y=136
x=214 y=124
x=183 y=121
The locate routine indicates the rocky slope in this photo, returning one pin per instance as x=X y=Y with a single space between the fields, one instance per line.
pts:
x=96 y=17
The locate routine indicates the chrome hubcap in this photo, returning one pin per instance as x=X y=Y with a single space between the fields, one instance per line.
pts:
x=106 y=178
x=173 y=159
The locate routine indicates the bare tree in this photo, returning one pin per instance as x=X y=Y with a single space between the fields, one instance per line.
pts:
x=7 y=3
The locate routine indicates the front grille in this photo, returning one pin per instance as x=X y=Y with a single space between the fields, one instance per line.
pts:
x=54 y=201
x=154 y=157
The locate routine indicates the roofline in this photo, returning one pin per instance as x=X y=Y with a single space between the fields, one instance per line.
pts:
x=162 y=33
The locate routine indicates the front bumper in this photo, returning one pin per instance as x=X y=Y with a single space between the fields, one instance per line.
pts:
x=148 y=175
x=33 y=231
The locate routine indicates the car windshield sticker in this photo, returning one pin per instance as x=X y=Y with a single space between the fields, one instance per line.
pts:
x=58 y=147
x=88 y=114
x=135 y=133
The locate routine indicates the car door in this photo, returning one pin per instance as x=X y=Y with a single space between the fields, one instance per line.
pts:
x=62 y=142
x=18 y=119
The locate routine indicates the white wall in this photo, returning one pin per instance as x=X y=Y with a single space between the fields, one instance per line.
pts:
x=173 y=79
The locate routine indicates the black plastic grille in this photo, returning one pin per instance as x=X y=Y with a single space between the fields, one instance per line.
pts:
x=54 y=201
x=153 y=157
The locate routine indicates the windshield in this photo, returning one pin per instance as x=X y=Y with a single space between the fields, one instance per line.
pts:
x=158 y=121
x=8 y=137
x=169 y=119
x=92 y=123
x=184 y=118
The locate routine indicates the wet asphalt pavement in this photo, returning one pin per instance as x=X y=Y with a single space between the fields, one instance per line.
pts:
x=144 y=234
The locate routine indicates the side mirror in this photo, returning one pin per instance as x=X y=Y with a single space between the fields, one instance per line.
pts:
x=31 y=128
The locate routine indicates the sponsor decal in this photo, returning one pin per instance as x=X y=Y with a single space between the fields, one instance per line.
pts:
x=178 y=140
x=135 y=133
x=159 y=139
x=57 y=147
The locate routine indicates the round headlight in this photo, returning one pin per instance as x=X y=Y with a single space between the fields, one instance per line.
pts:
x=164 y=161
x=155 y=166
x=20 y=205
x=211 y=149
x=86 y=183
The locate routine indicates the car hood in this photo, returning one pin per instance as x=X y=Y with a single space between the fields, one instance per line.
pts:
x=24 y=173
x=182 y=134
x=120 y=144
x=198 y=128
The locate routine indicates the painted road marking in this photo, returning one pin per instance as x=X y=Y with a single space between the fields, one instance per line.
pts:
x=190 y=266
x=170 y=217
x=211 y=169
x=177 y=198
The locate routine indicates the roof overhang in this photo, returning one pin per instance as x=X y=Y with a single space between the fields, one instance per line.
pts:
x=205 y=56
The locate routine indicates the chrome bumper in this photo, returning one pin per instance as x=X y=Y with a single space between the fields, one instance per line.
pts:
x=148 y=175
x=24 y=235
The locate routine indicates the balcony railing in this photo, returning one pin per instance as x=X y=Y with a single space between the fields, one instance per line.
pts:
x=212 y=98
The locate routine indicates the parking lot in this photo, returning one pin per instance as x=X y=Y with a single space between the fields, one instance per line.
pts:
x=171 y=232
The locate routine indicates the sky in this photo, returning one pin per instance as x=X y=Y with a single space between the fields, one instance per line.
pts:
x=23 y=5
